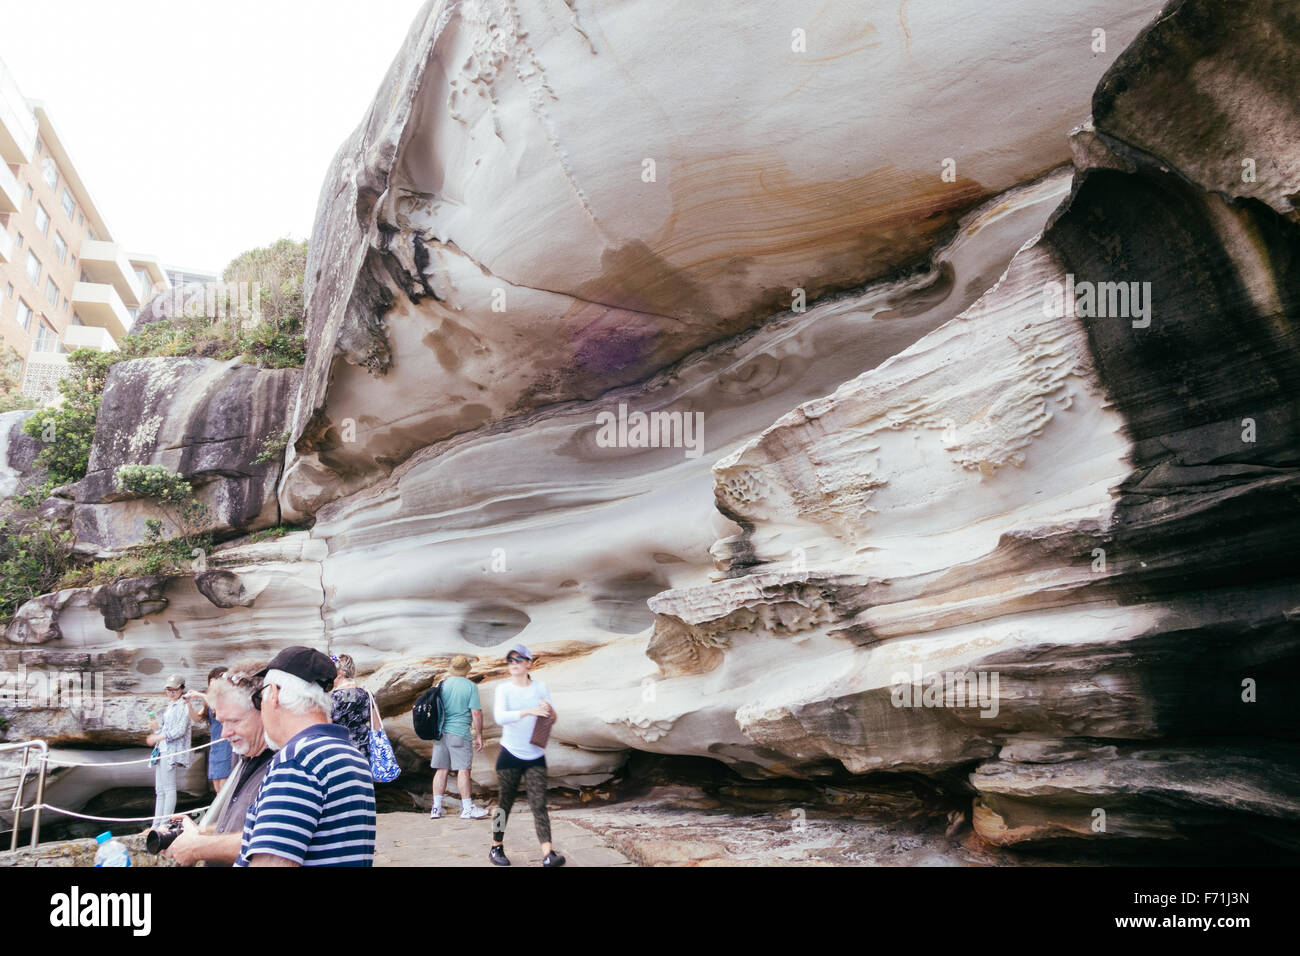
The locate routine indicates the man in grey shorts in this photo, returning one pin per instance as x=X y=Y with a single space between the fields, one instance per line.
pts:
x=461 y=714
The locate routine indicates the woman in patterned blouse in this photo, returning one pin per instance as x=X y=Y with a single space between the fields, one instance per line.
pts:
x=351 y=705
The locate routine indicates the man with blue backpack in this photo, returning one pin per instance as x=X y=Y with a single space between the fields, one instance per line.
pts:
x=456 y=712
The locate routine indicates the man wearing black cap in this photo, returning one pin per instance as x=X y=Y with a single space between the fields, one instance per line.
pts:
x=317 y=803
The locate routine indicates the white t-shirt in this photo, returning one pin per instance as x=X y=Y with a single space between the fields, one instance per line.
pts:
x=517 y=729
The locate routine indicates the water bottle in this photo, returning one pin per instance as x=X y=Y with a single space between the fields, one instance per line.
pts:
x=110 y=852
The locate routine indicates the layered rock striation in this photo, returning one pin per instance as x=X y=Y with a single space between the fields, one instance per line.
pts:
x=1004 y=499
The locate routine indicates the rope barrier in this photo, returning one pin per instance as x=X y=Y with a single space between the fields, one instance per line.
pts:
x=84 y=816
x=121 y=763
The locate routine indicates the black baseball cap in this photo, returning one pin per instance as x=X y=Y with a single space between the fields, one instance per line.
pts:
x=304 y=662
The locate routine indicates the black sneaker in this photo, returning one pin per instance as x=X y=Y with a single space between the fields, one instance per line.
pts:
x=498 y=856
x=552 y=859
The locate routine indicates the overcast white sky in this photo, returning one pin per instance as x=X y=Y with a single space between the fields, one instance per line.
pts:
x=203 y=127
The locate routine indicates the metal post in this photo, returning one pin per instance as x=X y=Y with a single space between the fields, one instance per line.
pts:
x=17 y=807
x=26 y=747
x=40 y=791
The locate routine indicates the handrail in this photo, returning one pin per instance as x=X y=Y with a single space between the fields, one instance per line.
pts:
x=26 y=747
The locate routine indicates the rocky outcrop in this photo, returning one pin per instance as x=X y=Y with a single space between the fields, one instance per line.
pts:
x=81 y=853
x=1015 y=517
x=205 y=420
x=187 y=300
x=1216 y=73
x=1063 y=514
x=1061 y=793
x=18 y=468
x=505 y=134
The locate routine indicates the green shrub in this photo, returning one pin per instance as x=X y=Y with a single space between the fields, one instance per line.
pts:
x=67 y=431
x=275 y=531
x=153 y=481
x=272 y=448
x=175 y=496
x=33 y=557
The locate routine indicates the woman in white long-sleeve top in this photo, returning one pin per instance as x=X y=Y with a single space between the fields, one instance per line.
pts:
x=173 y=740
x=516 y=708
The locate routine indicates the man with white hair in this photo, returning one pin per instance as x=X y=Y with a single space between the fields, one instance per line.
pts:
x=317 y=803
x=218 y=839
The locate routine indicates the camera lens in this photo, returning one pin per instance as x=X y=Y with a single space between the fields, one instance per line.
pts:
x=160 y=839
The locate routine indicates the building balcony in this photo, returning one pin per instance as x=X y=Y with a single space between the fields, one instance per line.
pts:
x=17 y=123
x=99 y=305
x=105 y=262
x=158 y=279
x=87 y=337
x=11 y=194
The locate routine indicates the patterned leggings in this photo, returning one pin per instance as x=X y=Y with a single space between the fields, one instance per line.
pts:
x=534 y=779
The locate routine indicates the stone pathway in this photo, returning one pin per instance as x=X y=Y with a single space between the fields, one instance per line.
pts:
x=412 y=839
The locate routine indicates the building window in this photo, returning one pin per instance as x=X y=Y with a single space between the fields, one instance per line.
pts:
x=134 y=313
x=81 y=219
x=42 y=220
x=46 y=340
x=33 y=267
x=76 y=319
x=19 y=240
x=65 y=305
x=29 y=191
x=60 y=248
x=69 y=204
x=40 y=147
x=50 y=173
x=25 y=316
x=9 y=291
x=51 y=293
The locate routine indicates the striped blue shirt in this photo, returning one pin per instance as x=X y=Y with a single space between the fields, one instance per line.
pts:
x=317 y=803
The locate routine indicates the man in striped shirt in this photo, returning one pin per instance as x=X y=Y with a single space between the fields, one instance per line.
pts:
x=317 y=803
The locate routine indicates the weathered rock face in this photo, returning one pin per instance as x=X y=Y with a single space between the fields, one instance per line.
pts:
x=536 y=211
x=1217 y=73
x=172 y=303
x=1079 y=492
x=1018 y=518
x=205 y=420
x=18 y=469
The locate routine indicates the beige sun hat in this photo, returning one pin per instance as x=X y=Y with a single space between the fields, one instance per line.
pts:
x=460 y=665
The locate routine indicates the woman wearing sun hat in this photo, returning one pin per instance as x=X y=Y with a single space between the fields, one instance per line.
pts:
x=518 y=706
x=173 y=741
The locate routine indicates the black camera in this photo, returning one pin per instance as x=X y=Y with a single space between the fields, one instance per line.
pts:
x=163 y=837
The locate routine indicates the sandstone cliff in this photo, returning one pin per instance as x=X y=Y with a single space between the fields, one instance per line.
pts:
x=995 y=474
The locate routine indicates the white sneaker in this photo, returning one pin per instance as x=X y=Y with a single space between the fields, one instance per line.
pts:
x=471 y=812
x=436 y=813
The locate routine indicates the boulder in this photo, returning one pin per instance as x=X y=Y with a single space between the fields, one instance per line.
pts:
x=203 y=419
x=18 y=468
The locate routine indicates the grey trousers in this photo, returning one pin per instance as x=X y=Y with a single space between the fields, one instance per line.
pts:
x=164 y=786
